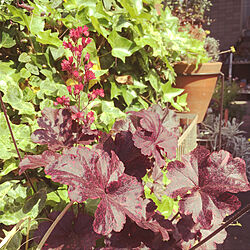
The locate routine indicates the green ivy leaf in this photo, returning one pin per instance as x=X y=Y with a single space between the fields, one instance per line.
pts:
x=57 y=52
x=134 y=7
x=121 y=46
x=24 y=73
x=154 y=80
x=6 y=41
x=114 y=91
x=169 y=92
x=110 y=113
x=22 y=134
x=24 y=57
x=8 y=166
x=46 y=37
x=32 y=68
x=15 y=242
x=38 y=198
x=14 y=206
x=34 y=23
x=14 y=96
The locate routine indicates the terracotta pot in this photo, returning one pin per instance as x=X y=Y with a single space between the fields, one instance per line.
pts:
x=199 y=84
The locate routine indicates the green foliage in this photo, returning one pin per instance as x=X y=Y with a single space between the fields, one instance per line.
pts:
x=14 y=205
x=165 y=205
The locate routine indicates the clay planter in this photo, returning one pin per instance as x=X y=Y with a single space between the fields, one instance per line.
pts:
x=199 y=84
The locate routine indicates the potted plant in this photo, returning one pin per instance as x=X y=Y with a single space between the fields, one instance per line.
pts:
x=199 y=80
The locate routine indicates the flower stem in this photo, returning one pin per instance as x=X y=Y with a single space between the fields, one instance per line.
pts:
x=240 y=213
x=14 y=141
x=51 y=228
x=174 y=217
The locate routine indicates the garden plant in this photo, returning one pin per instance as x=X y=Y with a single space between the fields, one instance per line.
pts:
x=89 y=135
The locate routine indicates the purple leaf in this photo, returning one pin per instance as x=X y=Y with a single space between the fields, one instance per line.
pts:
x=189 y=234
x=58 y=130
x=131 y=237
x=35 y=161
x=202 y=182
x=94 y=174
x=153 y=138
x=167 y=117
x=135 y=163
x=155 y=221
x=70 y=233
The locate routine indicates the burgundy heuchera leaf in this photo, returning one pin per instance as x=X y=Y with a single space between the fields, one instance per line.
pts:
x=153 y=138
x=203 y=180
x=94 y=174
x=35 y=161
x=58 y=130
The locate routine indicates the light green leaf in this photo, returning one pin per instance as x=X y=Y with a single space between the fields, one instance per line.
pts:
x=24 y=57
x=128 y=95
x=110 y=113
x=8 y=166
x=6 y=41
x=14 y=96
x=169 y=92
x=24 y=73
x=22 y=134
x=32 y=69
x=98 y=27
x=134 y=7
x=154 y=80
x=46 y=37
x=14 y=206
x=115 y=91
x=121 y=46
x=57 y=52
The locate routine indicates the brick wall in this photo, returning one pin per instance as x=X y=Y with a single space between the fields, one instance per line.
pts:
x=227 y=25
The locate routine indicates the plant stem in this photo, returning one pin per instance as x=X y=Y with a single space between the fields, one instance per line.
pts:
x=51 y=228
x=14 y=141
x=240 y=213
x=174 y=217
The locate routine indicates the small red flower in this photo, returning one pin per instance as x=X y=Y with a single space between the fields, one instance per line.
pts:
x=90 y=117
x=85 y=41
x=78 y=89
x=89 y=75
x=69 y=88
x=77 y=116
x=89 y=65
x=62 y=100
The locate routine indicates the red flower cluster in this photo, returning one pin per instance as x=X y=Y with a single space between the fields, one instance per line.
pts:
x=79 y=116
x=74 y=68
x=78 y=68
x=75 y=34
x=64 y=101
x=95 y=93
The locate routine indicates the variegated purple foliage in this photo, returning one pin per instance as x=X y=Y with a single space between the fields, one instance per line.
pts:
x=58 y=130
x=188 y=233
x=35 y=161
x=156 y=133
x=112 y=171
x=94 y=174
x=203 y=181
